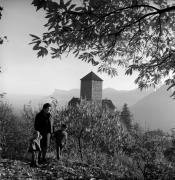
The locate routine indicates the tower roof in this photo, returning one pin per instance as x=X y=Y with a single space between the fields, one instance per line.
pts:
x=91 y=76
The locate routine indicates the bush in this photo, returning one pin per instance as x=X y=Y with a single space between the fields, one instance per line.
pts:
x=15 y=132
x=92 y=129
x=146 y=151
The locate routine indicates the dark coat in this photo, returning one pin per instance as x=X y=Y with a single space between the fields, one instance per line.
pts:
x=43 y=123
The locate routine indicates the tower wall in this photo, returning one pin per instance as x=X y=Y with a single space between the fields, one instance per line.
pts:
x=97 y=90
x=86 y=90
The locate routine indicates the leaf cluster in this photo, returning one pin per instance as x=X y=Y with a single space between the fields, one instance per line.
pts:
x=137 y=35
x=94 y=127
x=146 y=151
x=4 y=37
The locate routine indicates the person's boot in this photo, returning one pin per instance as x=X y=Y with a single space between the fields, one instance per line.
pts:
x=35 y=161
x=37 y=164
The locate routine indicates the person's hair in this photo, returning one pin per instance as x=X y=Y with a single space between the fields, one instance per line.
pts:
x=46 y=105
x=35 y=133
x=63 y=126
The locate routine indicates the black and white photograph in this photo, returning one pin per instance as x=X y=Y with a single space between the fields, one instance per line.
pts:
x=87 y=89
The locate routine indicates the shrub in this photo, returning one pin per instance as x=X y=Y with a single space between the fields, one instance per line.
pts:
x=15 y=131
x=93 y=129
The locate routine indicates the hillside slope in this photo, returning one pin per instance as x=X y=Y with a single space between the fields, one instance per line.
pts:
x=121 y=97
x=156 y=110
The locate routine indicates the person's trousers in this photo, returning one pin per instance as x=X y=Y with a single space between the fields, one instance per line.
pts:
x=35 y=155
x=45 y=143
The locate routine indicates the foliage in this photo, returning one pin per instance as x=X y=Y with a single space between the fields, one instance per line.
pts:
x=5 y=37
x=146 y=151
x=169 y=152
x=2 y=38
x=99 y=138
x=107 y=103
x=126 y=117
x=1 y=41
x=138 y=35
x=15 y=131
x=6 y=117
x=93 y=128
x=96 y=140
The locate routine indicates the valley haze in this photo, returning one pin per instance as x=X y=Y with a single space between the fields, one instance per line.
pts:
x=151 y=109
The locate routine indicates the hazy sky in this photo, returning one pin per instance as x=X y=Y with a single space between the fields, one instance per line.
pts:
x=24 y=73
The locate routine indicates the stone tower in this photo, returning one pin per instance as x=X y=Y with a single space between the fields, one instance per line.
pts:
x=91 y=87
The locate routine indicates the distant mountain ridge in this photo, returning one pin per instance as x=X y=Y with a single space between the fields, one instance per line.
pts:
x=64 y=96
x=119 y=97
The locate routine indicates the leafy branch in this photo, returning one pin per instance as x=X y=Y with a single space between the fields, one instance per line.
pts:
x=138 y=36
